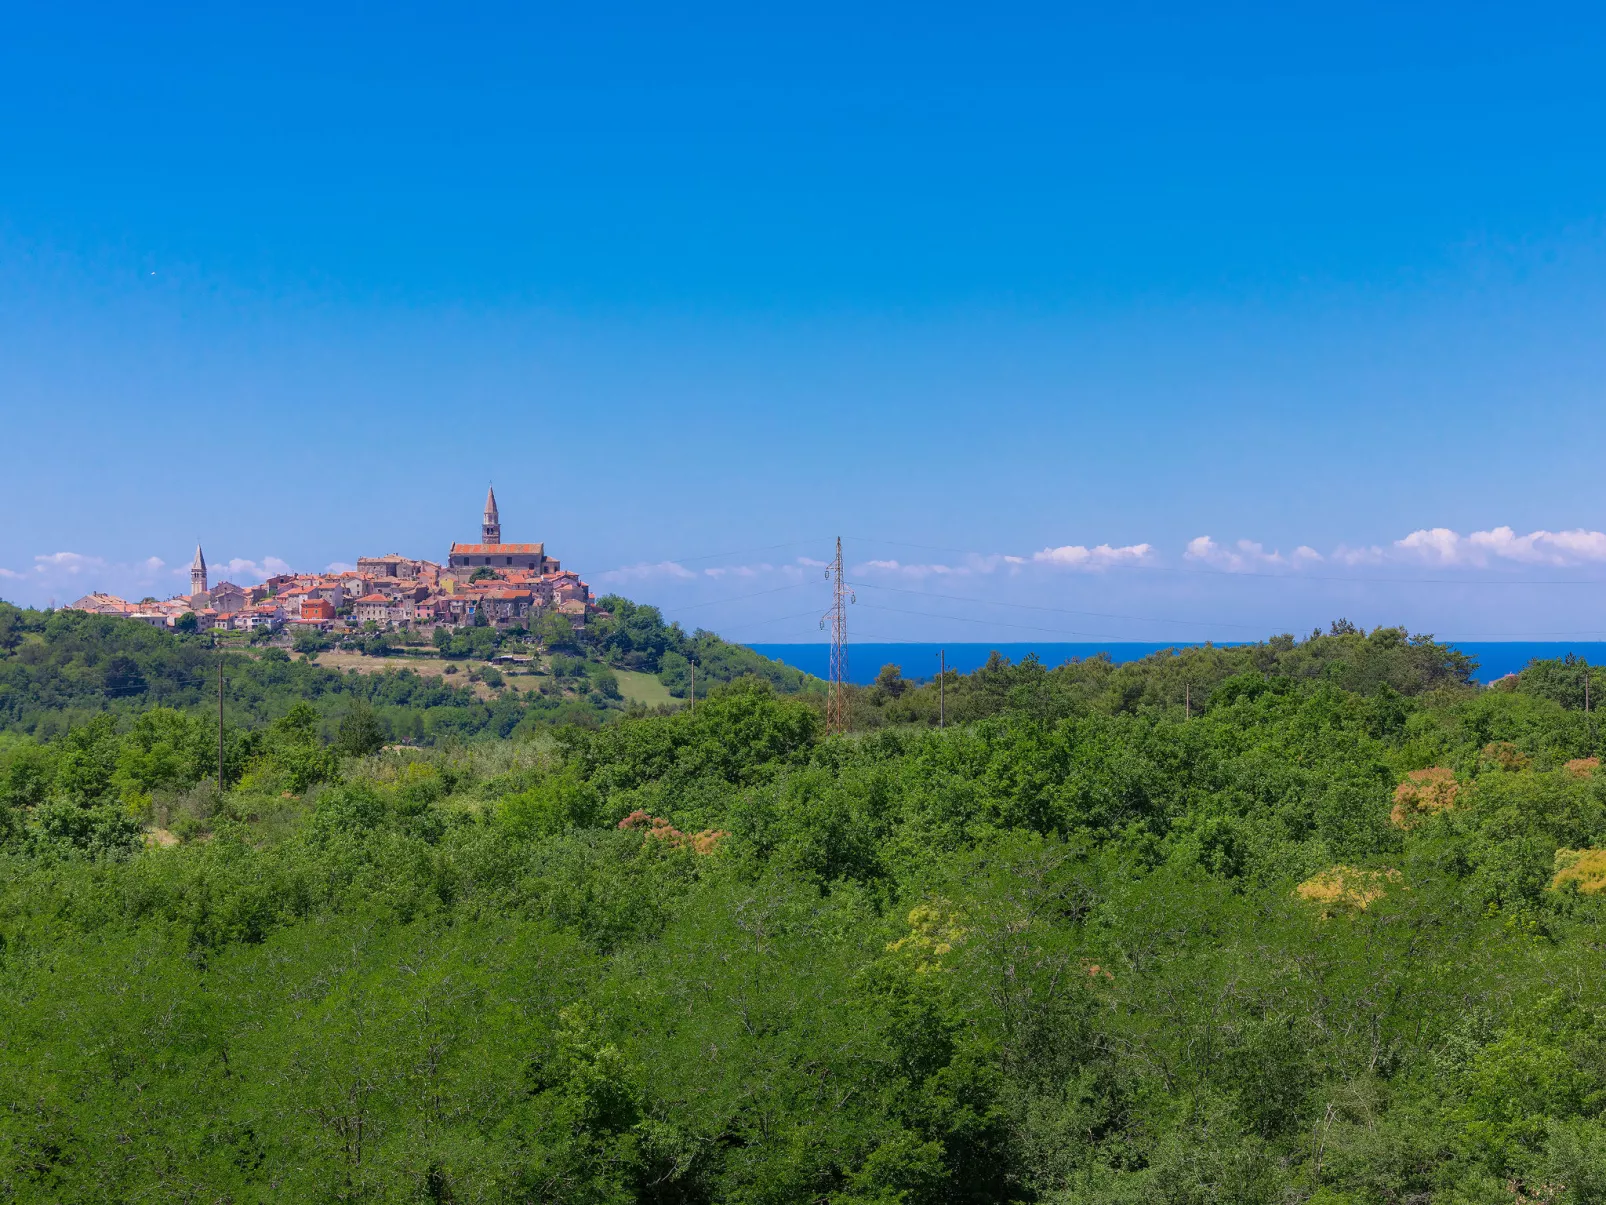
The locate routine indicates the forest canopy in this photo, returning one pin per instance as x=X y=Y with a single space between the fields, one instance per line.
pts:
x=1307 y=920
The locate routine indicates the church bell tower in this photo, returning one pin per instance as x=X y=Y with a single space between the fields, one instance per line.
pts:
x=198 y=573
x=491 y=529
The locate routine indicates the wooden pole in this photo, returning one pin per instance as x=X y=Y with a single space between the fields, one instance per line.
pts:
x=942 y=686
x=220 y=729
x=693 y=665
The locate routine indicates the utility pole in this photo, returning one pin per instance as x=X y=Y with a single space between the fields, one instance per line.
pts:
x=1187 y=700
x=942 y=685
x=836 y=699
x=220 y=729
x=693 y=665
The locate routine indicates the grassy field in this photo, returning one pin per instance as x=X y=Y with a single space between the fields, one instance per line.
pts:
x=644 y=688
x=427 y=666
x=635 y=687
x=378 y=665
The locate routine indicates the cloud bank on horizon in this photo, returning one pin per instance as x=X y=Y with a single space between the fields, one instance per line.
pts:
x=65 y=576
x=58 y=573
x=1222 y=589
x=1435 y=547
x=1431 y=546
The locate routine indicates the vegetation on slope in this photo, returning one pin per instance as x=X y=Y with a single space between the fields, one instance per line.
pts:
x=59 y=670
x=1086 y=944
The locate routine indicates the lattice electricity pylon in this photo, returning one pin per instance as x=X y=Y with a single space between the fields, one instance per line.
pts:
x=836 y=699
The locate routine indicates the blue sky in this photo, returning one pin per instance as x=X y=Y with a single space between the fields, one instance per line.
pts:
x=975 y=287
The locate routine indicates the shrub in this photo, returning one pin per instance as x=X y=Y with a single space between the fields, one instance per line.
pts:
x=1586 y=867
x=1506 y=756
x=1423 y=793
x=1346 y=888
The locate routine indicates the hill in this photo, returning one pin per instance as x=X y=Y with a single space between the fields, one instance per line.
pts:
x=61 y=669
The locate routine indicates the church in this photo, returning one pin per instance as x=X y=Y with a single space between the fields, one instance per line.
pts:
x=491 y=553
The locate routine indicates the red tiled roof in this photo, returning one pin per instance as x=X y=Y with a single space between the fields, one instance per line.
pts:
x=498 y=549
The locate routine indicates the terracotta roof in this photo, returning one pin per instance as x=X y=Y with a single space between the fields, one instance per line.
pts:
x=374 y=598
x=498 y=549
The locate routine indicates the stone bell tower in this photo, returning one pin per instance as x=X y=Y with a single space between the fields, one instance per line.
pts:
x=491 y=529
x=198 y=573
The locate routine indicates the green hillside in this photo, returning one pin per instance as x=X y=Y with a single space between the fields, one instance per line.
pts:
x=61 y=669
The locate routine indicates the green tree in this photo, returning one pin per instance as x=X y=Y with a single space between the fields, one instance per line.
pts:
x=556 y=633
x=361 y=733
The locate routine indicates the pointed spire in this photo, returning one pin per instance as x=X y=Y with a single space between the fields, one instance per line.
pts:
x=198 y=572
x=491 y=529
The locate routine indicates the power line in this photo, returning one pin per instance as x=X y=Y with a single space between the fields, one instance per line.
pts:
x=781 y=618
x=710 y=556
x=714 y=602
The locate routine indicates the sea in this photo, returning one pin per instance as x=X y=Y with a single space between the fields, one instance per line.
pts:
x=1495 y=658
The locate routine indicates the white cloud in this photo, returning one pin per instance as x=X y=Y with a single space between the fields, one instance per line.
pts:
x=1244 y=555
x=744 y=571
x=53 y=574
x=70 y=563
x=1075 y=556
x=1247 y=555
x=1067 y=556
x=252 y=572
x=1585 y=545
x=1442 y=546
x=918 y=571
x=1345 y=555
x=1437 y=545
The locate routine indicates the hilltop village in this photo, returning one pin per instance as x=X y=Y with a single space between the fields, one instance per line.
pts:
x=489 y=582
